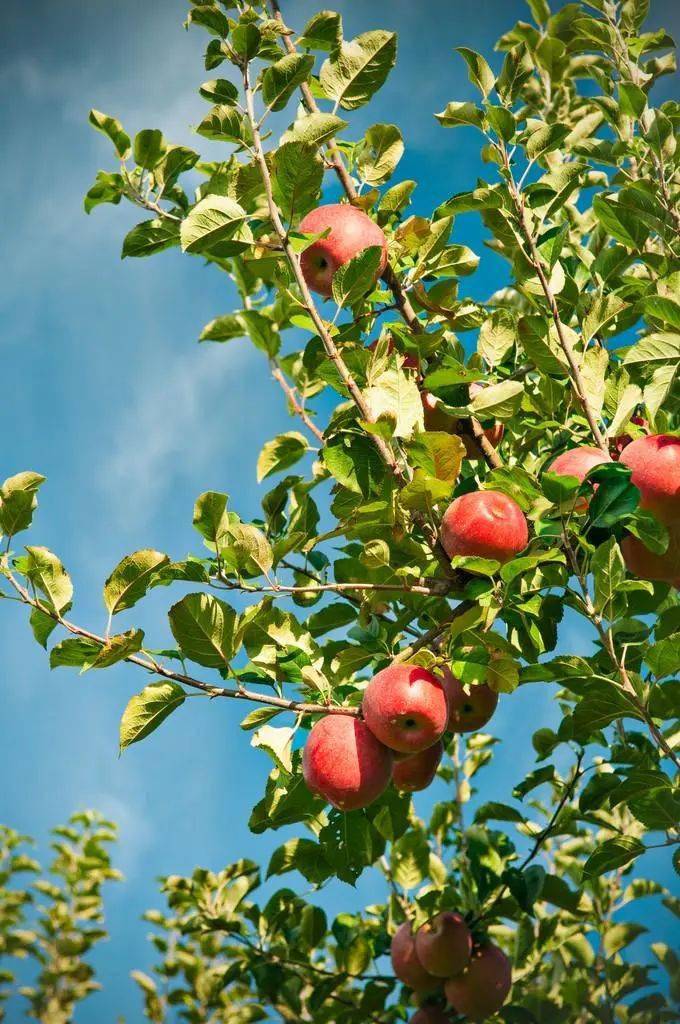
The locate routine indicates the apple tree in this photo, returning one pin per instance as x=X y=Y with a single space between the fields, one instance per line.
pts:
x=461 y=474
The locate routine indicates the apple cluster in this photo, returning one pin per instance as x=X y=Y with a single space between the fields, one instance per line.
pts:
x=405 y=712
x=476 y=977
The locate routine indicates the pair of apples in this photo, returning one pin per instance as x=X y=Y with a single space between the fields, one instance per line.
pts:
x=476 y=977
x=406 y=710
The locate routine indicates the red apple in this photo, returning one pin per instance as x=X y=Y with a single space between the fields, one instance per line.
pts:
x=486 y=524
x=406 y=708
x=578 y=462
x=470 y=707
x=416 y=771
x=430 y=1015
x=345 y=763
x=405 y=963
x=435 y=415
x=444 y=945
x=409 y=362
x=483 y=986
x=647 y=565
x=351 y=232
x=655 y=464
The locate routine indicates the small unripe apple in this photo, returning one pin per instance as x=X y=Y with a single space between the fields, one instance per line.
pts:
x=405 y=963
x=444 y=945
x=483 y=986
x=485 y=524
x=470 y=707
x=647 y=565
x=406 y=708
x=655 y=465
x=416 y=771
x=430 y=1015
x=351 y=231
x=345 y=763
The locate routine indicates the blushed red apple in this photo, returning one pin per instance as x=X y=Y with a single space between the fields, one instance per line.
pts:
x=345 y=763
x=351 y=231
x=405 y=963
x=485 y=524
x=494 y=434
x=578 y=462
x=655 y=465
x=483 y=986
x=430 y=1015
x=415 y=772
x=470 y=707
x=444 y=944
x=405 y=706
x=647 y=565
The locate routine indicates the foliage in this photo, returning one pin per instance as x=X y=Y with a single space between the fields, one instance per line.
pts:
x=581 y=344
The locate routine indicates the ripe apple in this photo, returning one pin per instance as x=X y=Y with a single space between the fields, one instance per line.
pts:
x=444 y=945
x=405 y=963
x=655 y=464
x=470 y=707
x=406 y=708
x=483 y=986
x=409 y=362
x=487 y=524
x=647 y=565
x=345 y=763
x=430 y=1015
x=415 y=772
x=578 y=462
x=435 y=415
x=351 y=232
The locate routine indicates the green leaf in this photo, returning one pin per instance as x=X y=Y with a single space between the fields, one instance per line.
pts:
x=74 y=652
x=107 y=188
x=225 y=123
x=118 y=648
x=493 y=811
x=479 y=72
x=301 y=855
x=297 y=177
x=210 y=517
x=213 y=220
x=654 y=349
x=113 y=129
x=210 y=17
x=323 y=31
x=358 y=68
x=149 y=148
x=277 y=741
x=661 y=307
x=632 y=99
x=620 y=222
x=277 y=455
x=498 y=400
x=148 y=709
x=151 y=236
x=204 y=627
x=218 y=91
x=354 y=463
x=248 y=550
x=544 y=138
x=502 y=121
x=246 y=39
x=517 y=68
x=604 y=308
x=18 y=502
x=379 y=153
x=615 y=496
x=314 y=129
x=609 y=572
x=48 y=575
x=497 y=335
x=280 y=80
x=259 y=717
x=614 y=853
x=131 y=579
x=395 y=395
x=457 y=114
x=664 y=656
x=355 y=278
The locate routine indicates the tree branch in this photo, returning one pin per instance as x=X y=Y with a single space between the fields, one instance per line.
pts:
x=155 y=667
x=278 y=375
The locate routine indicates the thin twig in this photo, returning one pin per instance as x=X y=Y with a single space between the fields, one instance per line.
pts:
x=277 y=374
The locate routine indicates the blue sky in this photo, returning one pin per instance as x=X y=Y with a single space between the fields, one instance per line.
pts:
x=108 y=395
